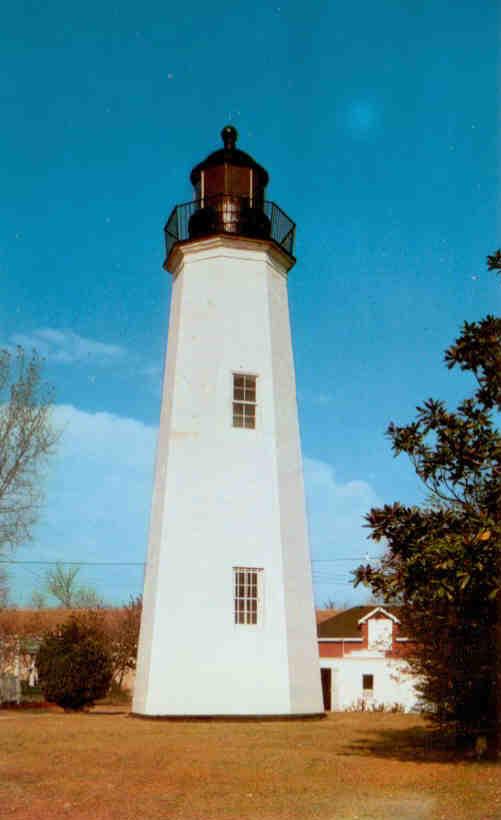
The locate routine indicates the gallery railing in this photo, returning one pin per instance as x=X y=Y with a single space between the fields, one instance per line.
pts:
x=225 y=213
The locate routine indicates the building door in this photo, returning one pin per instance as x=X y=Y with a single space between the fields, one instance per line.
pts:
x=327 y=688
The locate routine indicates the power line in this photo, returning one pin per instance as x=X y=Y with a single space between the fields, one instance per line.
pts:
x=351 y=558
x=79 y=563
x=143 y=563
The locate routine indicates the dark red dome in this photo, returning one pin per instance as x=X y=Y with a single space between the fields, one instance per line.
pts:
x=230 y=156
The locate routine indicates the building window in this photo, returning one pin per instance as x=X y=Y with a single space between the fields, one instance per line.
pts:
x=248 y=594
x=380 y=633
x=368 y=684
x=244 y=401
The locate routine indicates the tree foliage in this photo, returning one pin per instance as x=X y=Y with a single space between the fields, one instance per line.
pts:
x=27 y=438
x=74 y=664
x=443 y=559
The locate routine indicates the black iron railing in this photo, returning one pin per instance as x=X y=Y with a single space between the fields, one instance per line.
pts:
x=225 y=213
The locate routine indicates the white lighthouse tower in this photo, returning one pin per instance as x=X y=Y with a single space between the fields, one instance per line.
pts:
x=228 y=625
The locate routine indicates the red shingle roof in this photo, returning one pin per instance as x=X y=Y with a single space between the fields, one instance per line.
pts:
x=324 y=614
x=345 y=624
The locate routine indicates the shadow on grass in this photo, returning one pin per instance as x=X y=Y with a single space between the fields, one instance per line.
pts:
x=414 y=745
x=101 y=712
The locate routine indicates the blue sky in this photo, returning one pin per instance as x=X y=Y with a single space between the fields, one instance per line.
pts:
x=378 y=125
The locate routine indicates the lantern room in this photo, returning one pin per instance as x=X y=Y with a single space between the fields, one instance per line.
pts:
x=229 y=198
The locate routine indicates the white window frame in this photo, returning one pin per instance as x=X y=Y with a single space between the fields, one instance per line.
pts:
x=244 y=402
x=243 y=611
x=380 y=635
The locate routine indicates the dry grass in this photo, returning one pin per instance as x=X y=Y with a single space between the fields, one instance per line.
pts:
x=107 y=765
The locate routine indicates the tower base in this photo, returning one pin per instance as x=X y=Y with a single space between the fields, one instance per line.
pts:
x=230 y=718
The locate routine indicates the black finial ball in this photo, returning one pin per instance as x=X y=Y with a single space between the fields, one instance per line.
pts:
x=229 y=135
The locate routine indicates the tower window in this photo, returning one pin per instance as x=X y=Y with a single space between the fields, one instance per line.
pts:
x=244 y=401
x=247 y=594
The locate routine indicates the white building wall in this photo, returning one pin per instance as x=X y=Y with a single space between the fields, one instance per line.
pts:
x=227 y=497
x=393 y=681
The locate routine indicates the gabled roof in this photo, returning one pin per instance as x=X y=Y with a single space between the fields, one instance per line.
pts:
x=347 y=624
x=379 y=610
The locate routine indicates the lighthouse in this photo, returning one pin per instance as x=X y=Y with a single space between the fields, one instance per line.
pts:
x=228 y=624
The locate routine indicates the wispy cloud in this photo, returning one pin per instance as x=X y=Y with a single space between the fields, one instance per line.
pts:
x=338 y=537
x=67 y=347
x=98 y=497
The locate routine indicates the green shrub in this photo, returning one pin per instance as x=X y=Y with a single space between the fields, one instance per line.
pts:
x=74 y=664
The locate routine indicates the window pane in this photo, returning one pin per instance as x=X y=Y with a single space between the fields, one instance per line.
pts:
x=250 y=423
x=239 y=394
x=238 y=381
x=238 y=416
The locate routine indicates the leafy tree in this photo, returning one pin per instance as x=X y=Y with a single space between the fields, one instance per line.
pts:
x=443 y=559
x=62 y=584
x=27 y=439
x=74 y=664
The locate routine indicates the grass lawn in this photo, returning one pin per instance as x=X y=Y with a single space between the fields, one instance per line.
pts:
x=107 y=765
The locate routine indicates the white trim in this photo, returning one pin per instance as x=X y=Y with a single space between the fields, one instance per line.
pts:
x=227 y=246
x=375 y=611
x=401 y=639
x=341 y=640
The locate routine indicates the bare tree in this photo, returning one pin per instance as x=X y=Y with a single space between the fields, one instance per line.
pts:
x=62 y=584
x=27 y=438
x=122 y=627
x=4 y=589
x=332 y=603
x=38 y=600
